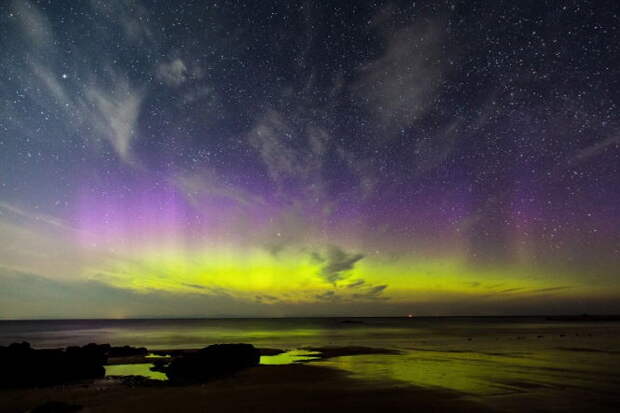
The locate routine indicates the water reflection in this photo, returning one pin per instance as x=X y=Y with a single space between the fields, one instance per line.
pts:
x=141 y=369
x=157 y=356
x=493 y=358
x=289 y=357
x=485 y=374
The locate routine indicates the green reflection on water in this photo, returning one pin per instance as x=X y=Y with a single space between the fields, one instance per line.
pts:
x=157 y=356
x=141 y=369
x=289 y=357
x=485 y=374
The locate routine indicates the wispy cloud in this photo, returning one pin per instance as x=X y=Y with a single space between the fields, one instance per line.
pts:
x=14 y=211
x=130 y=16
x=206 y=184
x=372 y=293
x=98 y=101
x=33 y=23
x=33 y=241
x=172 y=73
x=277 y=142
x=114 y=115
x=28 y=295
x=399 y=87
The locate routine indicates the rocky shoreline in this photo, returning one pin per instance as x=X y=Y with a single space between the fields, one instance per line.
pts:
x=215 y=378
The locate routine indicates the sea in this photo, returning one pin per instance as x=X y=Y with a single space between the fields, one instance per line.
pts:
x=535 y=363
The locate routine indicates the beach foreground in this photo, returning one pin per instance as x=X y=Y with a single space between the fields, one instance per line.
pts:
x=295 y=387
x=508 y=365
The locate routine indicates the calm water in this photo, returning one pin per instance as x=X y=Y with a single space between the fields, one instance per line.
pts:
x=545 y=364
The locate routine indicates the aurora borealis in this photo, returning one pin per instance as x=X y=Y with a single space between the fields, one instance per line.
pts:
x=239 y=158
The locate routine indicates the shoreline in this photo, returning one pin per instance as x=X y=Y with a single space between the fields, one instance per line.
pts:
x=324 y=353
x=295 y=386
x=265 y=388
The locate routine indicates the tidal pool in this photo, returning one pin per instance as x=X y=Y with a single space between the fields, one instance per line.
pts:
x=141 y=369
x=290 y=357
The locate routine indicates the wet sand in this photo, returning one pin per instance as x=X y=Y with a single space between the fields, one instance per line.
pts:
x=296 y=387
x=356 y=378
x=282 y=388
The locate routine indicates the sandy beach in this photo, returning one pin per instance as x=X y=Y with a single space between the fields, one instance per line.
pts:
x=296 y=387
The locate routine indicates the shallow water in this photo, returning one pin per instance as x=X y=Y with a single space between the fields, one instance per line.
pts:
x=498 y=360
x=141 y=369
x=144 y=369
x=289 y=357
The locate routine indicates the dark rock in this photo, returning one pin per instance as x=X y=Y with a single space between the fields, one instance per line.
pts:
x=215 y=361
x=270 y=351
x=160 y=365
x=23 y=366
x=127 y=351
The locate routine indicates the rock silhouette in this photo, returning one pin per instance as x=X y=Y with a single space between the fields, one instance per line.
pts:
x=127 y=351
x=215 y=361
x=23 y=366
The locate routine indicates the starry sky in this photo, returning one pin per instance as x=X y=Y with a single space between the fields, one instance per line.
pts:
x=300 y=158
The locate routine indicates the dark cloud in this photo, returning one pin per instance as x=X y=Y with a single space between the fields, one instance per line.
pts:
x=551 y=289
x=373 y=293
x=199 y=287
x=266 y=298
x=327 y=296
x=510 y=290
x=336 y=263
x=356 y=283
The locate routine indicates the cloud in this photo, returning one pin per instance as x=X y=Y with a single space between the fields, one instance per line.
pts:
x=266 y=298
x=274 y=139
x=292 y=152
x=28 y=295
x=115 y=115
x=336 y=263
x=327 y=296
x=196 y=186
x=356 y=283
x=34 y=23
x=373 y=293
x=362 y=169
x=131 y=16
x=400 y=86
x=94 y=98
x=196 y=286
x=549 y=289
x=16 y=211
x=594 y=150
x=39 y=243
x=173 y=73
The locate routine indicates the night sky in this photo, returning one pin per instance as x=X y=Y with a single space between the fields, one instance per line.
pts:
x=257 y=158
